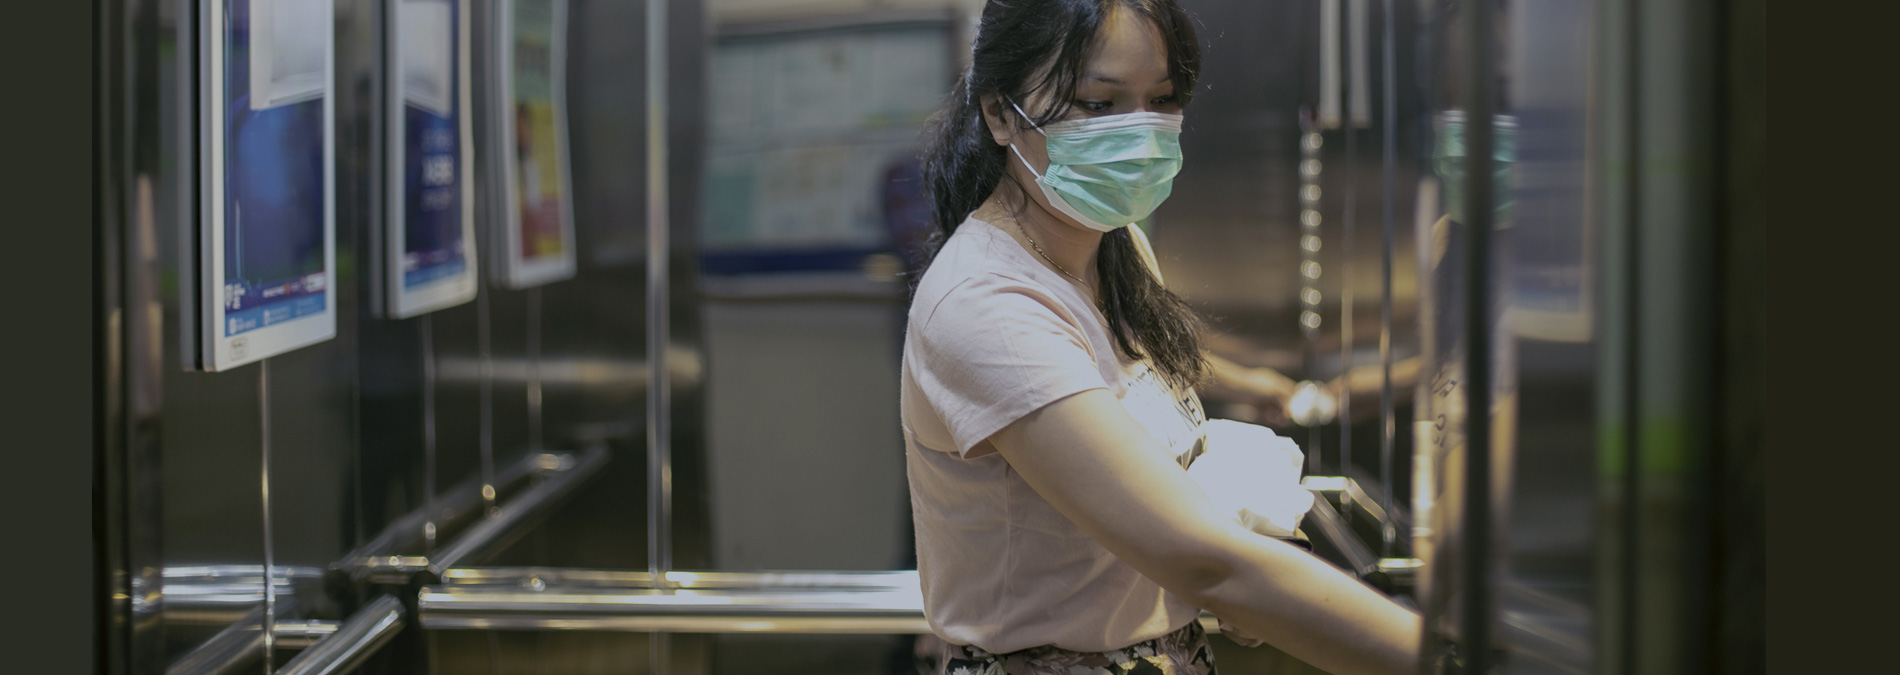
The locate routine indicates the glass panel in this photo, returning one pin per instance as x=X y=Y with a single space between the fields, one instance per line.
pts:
x=1547 y=587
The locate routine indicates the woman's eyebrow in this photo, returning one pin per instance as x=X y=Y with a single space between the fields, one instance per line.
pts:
x=1104 y=78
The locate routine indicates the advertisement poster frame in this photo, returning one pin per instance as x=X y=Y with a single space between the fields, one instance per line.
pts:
x=519 y=269
x=255 y=148
x=448 y=285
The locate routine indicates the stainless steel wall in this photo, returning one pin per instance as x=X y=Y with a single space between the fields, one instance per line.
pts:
x=346 y=442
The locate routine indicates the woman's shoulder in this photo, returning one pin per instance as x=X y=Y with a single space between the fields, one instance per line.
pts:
x=975 y=267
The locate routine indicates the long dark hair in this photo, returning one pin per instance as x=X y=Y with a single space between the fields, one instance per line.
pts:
x=1026 y=46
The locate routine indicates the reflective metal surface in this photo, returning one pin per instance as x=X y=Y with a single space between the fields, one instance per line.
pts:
x=302 y=633
x=378 y=558
x=476 y=527
x=1472 y=527
x=234 y=647
x=605 y=445
x=493 y=531
x=222 y=594
x=1333 y=536
x=659 y=339
x=532 y=577
x=1679 y=359
x=347 y=455
x=689 y=602
x=351 y=643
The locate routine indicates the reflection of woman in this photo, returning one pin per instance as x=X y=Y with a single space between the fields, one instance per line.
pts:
x=1047 y=400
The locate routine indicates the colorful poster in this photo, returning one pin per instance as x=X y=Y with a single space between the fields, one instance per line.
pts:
x=429 y=260
x=538 y=223
x=267 y=233
x=795 y=183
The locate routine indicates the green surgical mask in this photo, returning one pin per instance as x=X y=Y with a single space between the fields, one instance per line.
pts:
x=1108 y=172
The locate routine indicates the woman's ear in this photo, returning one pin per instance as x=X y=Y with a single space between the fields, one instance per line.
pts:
x=1001 y=130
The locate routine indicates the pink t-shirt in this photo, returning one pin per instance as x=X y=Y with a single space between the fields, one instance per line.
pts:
x=993 y=336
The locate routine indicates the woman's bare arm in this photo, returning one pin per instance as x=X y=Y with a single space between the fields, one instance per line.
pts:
x=1098 y=467
x=1264 y=388
x=1364 y=384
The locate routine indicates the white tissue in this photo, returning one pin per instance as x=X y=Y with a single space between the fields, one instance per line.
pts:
x=1248 y=468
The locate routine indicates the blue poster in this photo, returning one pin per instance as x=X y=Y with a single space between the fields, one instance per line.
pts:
x=431 y=222
x=270 y=240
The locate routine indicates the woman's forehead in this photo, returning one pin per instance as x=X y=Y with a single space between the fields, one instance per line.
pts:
x=1128 y=52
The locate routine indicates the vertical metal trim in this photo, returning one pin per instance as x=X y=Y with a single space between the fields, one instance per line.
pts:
x=1631 y=335
x=535 y=441
x=486 y=433
x=426 y=328
x=1389 y=194
x=1359 y=92
x=659 y=391
x=659 y=441
x=1475 y=619
x=1348 y=224
x=115 y=562
x=1330 y=34
x=270 y=556
x=661 y=643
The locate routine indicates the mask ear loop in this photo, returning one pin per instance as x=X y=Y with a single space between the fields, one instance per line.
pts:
x=1012 y=145
x=1032 y=123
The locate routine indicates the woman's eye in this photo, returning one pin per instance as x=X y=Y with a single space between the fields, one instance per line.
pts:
x=1093 y=106
x=1164 y=101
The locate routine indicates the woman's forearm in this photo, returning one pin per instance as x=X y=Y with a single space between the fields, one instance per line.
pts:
x=1225 y=380
x=1369 y=380
x=1233 y=381
x=1313 y=611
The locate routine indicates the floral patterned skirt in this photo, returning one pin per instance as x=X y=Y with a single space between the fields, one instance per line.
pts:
x=1182 y=652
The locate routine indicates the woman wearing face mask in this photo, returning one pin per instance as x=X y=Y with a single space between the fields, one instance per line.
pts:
x=1048 y=400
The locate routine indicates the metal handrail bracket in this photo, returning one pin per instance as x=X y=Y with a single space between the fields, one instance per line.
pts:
x=535 y=501
x=1333 y=528
x=237 y=645
x=382 y=559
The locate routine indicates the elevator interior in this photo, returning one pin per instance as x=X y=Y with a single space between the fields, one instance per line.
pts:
x=686 y=458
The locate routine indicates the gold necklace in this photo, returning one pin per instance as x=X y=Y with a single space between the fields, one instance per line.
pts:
x=1045 y=256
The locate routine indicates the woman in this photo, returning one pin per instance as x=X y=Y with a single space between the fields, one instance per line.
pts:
x=1047 y=401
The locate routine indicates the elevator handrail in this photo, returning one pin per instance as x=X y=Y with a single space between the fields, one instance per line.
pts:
x=366 y=631
x=882 y=602
x=701 y=602
x=493 y=530
x=242 y=641
x=1333 y=528
x=381 y=559
x=231 y=648
x=402 y=533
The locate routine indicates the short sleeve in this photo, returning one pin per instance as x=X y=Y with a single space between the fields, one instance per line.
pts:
x=993 y=350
